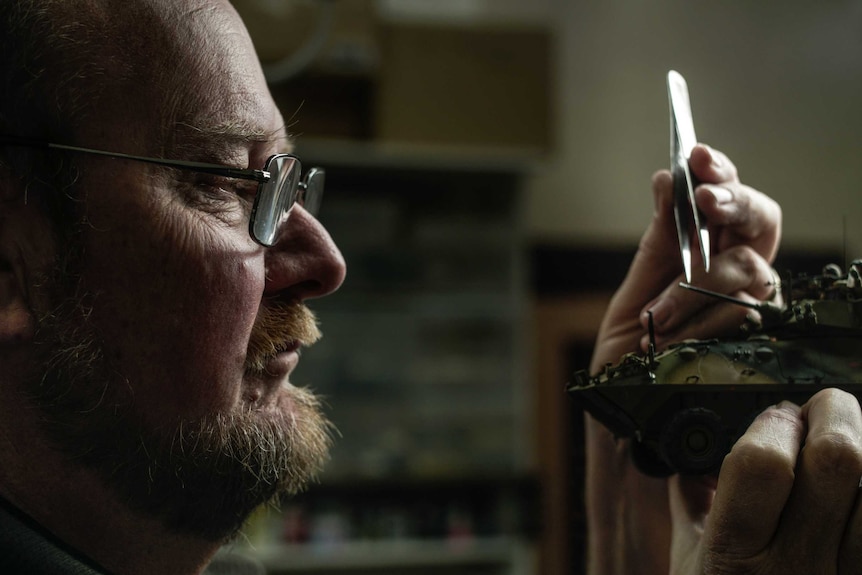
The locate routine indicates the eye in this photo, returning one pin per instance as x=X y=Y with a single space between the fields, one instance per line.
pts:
x=225 y=188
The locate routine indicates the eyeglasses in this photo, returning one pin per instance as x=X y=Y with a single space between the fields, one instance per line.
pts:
x=280 y=185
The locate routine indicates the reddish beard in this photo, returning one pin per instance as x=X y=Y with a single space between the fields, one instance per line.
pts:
x=279 y=326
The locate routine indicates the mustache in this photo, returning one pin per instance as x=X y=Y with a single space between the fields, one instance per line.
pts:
x=280 y=326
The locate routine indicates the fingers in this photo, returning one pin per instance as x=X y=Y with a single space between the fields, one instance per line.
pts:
x=827 y=483
x=711 y=166
x=679 y=313
x=786 y=500
x=715 y=321
x=754 y=484
x=737 y=214
x=660 y=239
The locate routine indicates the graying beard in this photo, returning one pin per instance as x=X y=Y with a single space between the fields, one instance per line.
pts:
x=203 y=478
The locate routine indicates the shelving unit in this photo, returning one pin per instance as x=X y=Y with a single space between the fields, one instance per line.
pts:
x=423 y=354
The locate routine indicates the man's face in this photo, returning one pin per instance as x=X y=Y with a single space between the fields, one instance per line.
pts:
x=190 y=329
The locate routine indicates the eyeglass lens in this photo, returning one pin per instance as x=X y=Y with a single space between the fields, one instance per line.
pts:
x=313 y=194
x=277 y=196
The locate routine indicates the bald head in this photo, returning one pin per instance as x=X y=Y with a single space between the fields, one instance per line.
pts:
x=56 y=65
x=69 y=64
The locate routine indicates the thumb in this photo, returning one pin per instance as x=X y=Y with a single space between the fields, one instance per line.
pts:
x=690 y=499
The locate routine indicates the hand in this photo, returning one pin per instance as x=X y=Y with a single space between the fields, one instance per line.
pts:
x=745 y=227
x=629 y=521
x=779 y=507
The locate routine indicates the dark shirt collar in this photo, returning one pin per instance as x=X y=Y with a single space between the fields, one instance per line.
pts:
x=26 y=547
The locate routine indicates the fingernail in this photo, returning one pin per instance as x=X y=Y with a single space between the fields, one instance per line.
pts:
x=721 y=195
x=715 y=159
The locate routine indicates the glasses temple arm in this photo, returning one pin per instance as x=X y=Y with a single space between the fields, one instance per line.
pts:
x=203 y=167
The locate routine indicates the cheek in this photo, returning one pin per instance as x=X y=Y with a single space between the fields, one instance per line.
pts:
x=174 y=306
x=225 y=311
x=218 y=309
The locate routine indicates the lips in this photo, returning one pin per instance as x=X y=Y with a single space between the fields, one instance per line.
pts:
x=287 y=346
x=280 y=360
x=262 y=383
x=284 y=362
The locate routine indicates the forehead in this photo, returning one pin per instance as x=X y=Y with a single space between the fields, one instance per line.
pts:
x=194 y=78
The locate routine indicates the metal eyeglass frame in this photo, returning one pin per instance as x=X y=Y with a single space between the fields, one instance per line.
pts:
x=271 y=204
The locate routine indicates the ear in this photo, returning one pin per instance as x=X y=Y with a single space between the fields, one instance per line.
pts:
x=26 y=252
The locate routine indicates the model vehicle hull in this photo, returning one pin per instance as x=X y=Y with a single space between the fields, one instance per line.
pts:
x=684 y=408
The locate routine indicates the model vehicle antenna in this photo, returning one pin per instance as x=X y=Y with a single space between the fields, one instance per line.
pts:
x=769 y=312
x=652 y=365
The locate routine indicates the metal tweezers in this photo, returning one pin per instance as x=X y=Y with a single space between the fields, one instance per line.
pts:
x=682 y=141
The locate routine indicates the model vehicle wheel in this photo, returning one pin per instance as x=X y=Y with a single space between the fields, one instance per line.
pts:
x=694 y=442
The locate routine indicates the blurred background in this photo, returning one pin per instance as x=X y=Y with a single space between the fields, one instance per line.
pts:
x=488 y=166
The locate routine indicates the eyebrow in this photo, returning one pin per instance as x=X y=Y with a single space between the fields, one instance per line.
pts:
x=201 y=138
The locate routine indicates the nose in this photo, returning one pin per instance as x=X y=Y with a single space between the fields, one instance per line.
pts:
x=304 y=262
